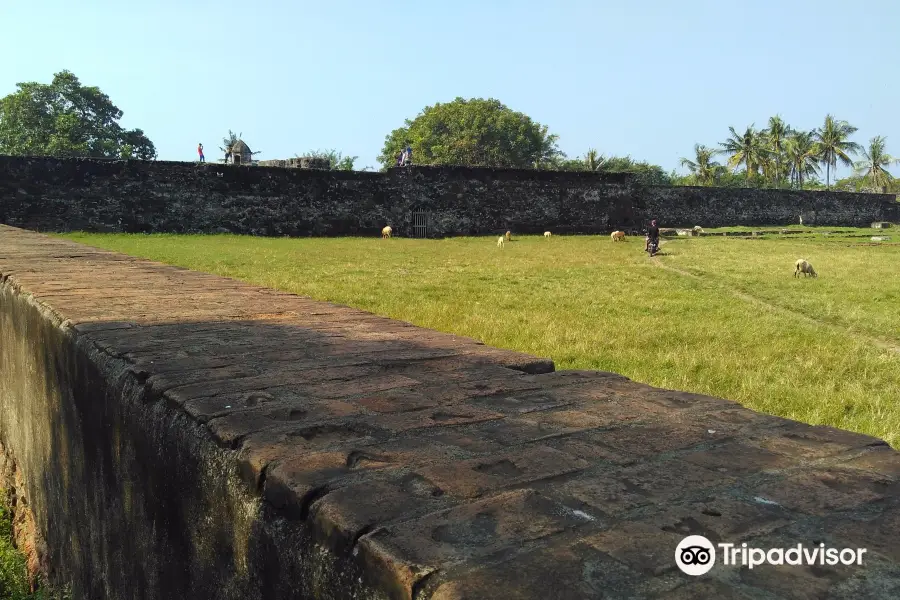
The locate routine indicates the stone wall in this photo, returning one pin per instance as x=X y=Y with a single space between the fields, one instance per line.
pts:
x=176 y=434
x=46 y=194
x=722 y=207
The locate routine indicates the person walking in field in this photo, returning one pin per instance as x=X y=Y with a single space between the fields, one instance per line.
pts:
x=200 y=152
x=652 y=235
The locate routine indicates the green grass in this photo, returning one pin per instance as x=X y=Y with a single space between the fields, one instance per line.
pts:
x=14 y=581
x=718 y=316
x=13 y=572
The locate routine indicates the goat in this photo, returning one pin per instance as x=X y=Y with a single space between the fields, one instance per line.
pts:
x=547 y=234
x=508 y=235
x=802 y=266
x=618 y=236
x=500 y=241
x=386 y=232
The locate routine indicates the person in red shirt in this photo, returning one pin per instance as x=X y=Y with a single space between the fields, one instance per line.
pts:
x=200 y=152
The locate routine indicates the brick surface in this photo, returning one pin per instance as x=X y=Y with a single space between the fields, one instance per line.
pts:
x=455 y=470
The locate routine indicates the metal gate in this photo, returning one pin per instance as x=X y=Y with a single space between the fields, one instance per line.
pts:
x=421 y=223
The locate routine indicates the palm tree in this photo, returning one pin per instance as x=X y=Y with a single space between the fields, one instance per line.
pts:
x=594 y=160
x=833 y=145
x=801 y=153
x=875 y=162
x=744 y=149
x=775 y=135
x=705 y=170
x=229 y=143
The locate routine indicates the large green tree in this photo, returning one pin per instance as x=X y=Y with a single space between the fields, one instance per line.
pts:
x=746 y=149
x=66 y=119
x=774 y=137
x=474 y=132
x=801 y=154
x=834 y=145
x=873 y=167
x=704 y=170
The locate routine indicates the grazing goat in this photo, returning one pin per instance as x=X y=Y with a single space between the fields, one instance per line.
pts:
x=500 y=241
x=803 y=266
x=546 y=234
x=386 y=232
x=508 y=235
x=618 y=236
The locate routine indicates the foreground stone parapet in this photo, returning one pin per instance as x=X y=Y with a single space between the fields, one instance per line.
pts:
x=186 y=435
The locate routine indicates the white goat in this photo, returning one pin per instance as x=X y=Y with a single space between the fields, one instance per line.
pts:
x=386 y=232
x=802 y=266
x=500 y=241
x=547 y=234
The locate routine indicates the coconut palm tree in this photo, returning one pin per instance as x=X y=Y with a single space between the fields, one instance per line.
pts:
x=775 y=135
x=875 y=162
x=801 y=154
x=744 y=149
x=704 y=170
x=834 y=146
x=594 y=160
x=228 y=144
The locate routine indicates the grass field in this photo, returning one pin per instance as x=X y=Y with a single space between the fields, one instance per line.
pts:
x=713 y=315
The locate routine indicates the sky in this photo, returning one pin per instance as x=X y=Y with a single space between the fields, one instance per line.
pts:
x=645 y=78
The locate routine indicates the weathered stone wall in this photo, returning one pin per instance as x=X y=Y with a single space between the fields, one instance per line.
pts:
x=181 y=435
x=722 y=207
x=47 y=194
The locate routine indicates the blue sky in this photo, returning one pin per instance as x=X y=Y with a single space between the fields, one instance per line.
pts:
x=645 y=78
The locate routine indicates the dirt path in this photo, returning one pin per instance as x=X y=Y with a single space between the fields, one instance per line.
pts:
x=880 y=343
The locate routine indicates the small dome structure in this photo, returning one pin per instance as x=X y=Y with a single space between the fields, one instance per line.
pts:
x=241 y=153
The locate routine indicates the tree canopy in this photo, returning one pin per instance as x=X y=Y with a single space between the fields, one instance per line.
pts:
x=67 y=119
x=474 y=132
x=336 y=160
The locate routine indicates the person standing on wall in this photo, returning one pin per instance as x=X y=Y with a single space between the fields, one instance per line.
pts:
x=408 y=159
x=200 y=152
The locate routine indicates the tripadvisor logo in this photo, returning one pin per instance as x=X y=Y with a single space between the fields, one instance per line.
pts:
x=695 y=555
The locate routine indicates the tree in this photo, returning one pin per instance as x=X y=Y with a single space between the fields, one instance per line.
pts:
x=474 y=132
x=775 y=135
x=704 y=170
x=874 y=165
x=644 y=173
x=336 y=161
x=67 y=119
x=833 y=145
x=744 y=149
x=593 y=160
x=228 y=143
x=801 y=154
